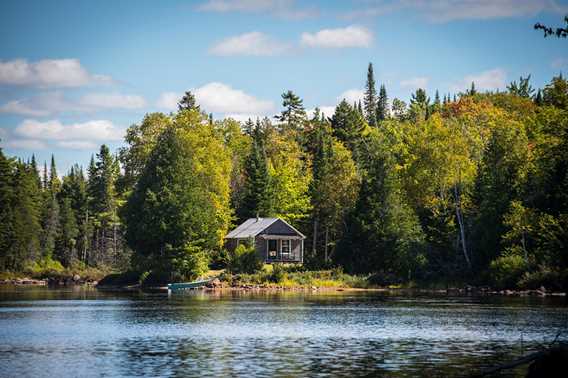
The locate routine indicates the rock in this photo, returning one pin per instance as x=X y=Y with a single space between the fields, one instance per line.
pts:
x=76 y=278
x=314 y=288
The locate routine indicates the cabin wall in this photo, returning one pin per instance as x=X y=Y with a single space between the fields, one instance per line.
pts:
x=260 y=246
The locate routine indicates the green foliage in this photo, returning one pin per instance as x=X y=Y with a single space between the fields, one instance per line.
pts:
x=294 y=115
x=505 y=271
x=243 y=259
x=370 y=97
x=180 y=206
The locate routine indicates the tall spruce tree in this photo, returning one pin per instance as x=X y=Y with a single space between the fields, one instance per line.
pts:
x=370 y=97
x=382 y=104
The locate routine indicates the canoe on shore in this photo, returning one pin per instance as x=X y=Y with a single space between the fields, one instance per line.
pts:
x=188 y=285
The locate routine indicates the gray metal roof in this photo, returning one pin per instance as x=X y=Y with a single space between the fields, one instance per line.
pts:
x=250 y=228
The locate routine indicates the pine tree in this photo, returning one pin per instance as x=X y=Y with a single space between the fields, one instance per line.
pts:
x=188 y=102
x=50 y=216
x=6 y=211
x=538 y=98
x=294 y=115
x=436 y=105
x=257 y=199
x=382 y=104
x=419 y=105
x=370 y=97
x=472 y=91
x=347 y=125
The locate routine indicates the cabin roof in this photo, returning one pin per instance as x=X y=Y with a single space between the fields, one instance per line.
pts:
x=254 y=226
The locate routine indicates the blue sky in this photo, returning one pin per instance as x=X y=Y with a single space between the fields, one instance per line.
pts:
x=76 y=74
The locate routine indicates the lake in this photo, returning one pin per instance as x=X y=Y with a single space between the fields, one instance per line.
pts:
x=85 y=332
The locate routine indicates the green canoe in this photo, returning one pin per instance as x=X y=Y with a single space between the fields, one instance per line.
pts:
x=188 y=285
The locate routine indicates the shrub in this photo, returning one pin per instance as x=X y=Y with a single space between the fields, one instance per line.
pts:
x=507 y=270
x=243 y=259
x=278 y=273
x=544 y=276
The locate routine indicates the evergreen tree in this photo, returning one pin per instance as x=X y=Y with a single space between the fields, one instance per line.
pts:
x=436 y=105
x=472 y=91
x=419 y=105
x=382 y=104
x=347 y=125
x=50 y=216
x=370 y=97
x=188 y=102
x=257 y=200
x=398 y=109
x=6 y=212
x=522 y=89
x=556 y=93
x=294 y=115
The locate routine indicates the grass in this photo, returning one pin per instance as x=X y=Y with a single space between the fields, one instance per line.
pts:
x=49 y=268
x=294 y=276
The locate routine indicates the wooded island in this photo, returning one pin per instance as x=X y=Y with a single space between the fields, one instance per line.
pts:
x=470 y=188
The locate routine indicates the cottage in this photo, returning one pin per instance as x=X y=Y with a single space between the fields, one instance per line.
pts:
x=274 y=239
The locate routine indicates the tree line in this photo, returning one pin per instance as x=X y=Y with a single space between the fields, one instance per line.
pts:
x=466 y=187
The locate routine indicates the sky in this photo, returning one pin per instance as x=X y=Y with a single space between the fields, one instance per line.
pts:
x=75 y=74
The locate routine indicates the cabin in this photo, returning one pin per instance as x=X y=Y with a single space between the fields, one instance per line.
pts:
x=274 y=239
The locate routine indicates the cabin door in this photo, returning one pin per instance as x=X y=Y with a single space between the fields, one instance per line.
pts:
x=273 y=249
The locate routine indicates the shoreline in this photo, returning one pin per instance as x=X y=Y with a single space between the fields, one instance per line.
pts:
x=220 y=286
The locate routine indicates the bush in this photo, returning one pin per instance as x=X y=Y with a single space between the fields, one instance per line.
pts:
x=278 y=273
x=506 y=271
x=243 y=259
x=544 y=276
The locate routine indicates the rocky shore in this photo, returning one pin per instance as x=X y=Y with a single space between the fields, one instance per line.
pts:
x=50 y=281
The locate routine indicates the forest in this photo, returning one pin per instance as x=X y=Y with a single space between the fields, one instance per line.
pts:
x=469 y=188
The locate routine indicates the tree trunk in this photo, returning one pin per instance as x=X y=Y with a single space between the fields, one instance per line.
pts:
x=461 y=224
x=326 y=243
x=315 y=238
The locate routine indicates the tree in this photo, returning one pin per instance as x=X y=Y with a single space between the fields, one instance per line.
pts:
x=370 y=97
x=141 y=140
x=188 y=102
x=348 y=125
x=382 y=104
x=560 y=32
x=333 y=191
x=556 y=93
x=179 y=210
x=472 y=91
x=256 y=200
x=6 y=211
x=103 y=207
x=294 y=115
x=419 y=105
x=522 y=89
x=398 y=109
x=50 y=217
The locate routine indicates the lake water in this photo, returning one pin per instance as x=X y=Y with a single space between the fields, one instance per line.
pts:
x=77 y=332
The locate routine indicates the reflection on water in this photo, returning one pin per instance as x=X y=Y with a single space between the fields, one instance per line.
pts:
x=79 y=332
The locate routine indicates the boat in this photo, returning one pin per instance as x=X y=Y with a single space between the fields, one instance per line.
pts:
x=188 y=285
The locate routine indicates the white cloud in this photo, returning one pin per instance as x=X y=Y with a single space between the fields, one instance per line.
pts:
x=280 y=8
x=26 y=144
x=352 y=95
x=328 y=111
x=77 y=145
x=415 y=83
x=250 y=44
x=169 y=100
x=486 y=80
x=220 y=98
x=54 y=130
x=454 y=10
x=49 y=103
x=48 y=73
x=350 y=36
x=112 y=101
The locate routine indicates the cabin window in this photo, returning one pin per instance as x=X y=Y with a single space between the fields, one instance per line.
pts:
x=272 y=248
x=286 y=247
